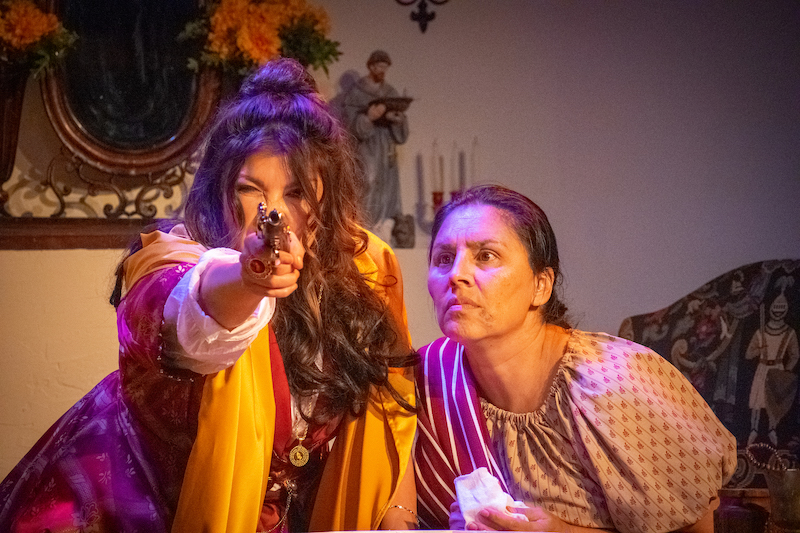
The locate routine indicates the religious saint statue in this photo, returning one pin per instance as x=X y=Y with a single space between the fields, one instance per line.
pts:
x=375 y=113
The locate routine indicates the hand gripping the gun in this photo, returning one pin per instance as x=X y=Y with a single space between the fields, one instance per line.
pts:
x=271 y=229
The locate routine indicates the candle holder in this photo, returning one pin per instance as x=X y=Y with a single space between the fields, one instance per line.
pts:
x=427 y=211
x=438 y=200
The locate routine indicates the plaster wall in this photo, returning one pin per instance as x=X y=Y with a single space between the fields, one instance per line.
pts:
x=660 y=138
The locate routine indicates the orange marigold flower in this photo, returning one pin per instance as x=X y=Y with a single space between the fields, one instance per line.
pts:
x=229 y=15
x=23 y=24
x=258 y=36
x=319 y=14
x=224 y=24
x=245 y=33
x=292 y=10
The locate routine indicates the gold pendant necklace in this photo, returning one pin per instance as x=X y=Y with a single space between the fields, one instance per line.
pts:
x=298 y=455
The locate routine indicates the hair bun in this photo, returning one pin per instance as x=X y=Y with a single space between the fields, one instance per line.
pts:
x=279 y=76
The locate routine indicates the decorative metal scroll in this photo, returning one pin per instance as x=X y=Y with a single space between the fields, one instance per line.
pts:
x=422 y=16
x=72 y=187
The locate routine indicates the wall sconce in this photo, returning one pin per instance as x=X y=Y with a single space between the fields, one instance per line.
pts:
x=422 y=16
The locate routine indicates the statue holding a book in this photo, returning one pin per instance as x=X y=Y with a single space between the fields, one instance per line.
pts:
x=375 y=114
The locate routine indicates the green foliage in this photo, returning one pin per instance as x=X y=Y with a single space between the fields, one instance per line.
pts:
x=301 y=40
x=52 y=50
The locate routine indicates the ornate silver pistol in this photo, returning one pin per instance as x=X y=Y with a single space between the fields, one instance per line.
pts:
x=273 y=230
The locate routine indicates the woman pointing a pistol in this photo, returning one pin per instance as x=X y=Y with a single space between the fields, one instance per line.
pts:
x=239 y=364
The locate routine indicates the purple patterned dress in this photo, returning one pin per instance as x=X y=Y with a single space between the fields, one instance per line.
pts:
x=115 y=461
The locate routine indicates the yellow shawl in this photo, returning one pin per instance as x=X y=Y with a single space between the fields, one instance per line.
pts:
x=226 y=477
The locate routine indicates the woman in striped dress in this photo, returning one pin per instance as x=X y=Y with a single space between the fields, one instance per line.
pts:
x=584 y=431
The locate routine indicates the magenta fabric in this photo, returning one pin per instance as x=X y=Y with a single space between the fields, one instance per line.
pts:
x=115 y=460
x=452 y=438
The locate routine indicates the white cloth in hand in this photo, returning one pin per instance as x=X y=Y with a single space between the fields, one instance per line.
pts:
x=480 y=490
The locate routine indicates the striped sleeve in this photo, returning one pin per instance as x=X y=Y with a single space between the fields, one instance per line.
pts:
x=452 y=438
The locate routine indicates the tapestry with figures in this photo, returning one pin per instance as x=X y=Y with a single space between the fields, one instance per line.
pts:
x=736 y=339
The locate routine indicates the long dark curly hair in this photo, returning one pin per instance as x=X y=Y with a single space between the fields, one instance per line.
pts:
x=278 y=110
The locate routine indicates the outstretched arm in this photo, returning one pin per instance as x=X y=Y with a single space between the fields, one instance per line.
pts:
x=229 y=294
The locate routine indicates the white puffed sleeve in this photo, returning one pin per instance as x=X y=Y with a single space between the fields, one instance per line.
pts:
x=203 y=345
